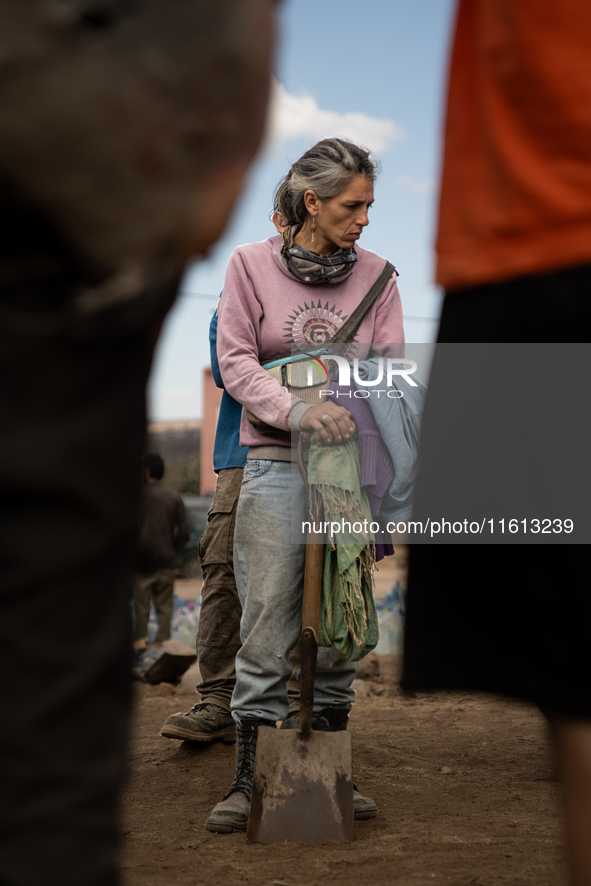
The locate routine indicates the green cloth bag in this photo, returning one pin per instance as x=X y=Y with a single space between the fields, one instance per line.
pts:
x=348 y=617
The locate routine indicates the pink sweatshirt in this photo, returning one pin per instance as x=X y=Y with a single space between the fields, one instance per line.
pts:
x=265 y=312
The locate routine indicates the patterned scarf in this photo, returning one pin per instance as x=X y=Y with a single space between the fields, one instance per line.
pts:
x=311 y=267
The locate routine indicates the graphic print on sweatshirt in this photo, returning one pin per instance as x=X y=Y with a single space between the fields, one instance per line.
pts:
x=313 y=325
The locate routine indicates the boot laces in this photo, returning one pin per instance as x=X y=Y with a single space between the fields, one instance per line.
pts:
x=247 y=745
x=201 y=706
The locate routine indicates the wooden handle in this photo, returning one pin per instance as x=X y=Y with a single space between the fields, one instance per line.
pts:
x=312 y=586
x=310 y=618
x=309 y=654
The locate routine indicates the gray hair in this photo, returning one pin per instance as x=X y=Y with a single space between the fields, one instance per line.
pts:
x=326 y=169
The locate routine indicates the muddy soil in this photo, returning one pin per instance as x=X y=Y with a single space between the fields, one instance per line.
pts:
x=464 y=786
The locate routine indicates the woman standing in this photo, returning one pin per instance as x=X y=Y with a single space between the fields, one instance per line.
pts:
x=292 y=291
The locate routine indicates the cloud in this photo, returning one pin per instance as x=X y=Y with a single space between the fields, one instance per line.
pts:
x=409 y=184
x=293 y=116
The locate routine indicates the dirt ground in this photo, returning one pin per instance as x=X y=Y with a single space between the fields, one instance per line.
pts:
x=464 y=786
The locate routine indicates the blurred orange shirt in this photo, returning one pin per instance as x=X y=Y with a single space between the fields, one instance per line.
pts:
x=516 y=184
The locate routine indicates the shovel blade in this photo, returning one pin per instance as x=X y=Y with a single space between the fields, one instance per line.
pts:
x=303 y=788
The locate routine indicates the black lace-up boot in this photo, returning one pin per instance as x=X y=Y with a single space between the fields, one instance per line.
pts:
x=231 y=814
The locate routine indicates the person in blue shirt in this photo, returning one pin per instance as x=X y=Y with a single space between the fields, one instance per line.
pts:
x=218 y=634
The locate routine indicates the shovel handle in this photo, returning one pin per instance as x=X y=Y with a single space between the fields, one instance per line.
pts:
x=309 y=652
x=310 y=606
x=312 y=583
x=314 y=553
x=310 y=619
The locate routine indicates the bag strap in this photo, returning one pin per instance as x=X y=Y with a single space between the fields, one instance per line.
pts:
x=346 y=333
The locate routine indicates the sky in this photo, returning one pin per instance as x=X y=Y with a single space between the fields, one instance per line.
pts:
x=374 y=72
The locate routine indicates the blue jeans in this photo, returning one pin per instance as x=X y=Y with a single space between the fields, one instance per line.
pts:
x=269 y=571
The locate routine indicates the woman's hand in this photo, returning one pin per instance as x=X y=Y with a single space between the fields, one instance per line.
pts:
x=331 y=423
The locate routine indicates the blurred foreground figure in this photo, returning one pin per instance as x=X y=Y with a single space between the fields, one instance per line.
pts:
x=125 y=132
x=514 y=253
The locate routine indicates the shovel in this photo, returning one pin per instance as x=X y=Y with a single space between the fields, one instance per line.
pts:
x=303 y=783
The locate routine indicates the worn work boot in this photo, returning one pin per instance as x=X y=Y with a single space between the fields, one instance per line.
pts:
x=335 y=720
x=204 y=722
x=231 y=814
x=326 y=720
x=364 y=807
